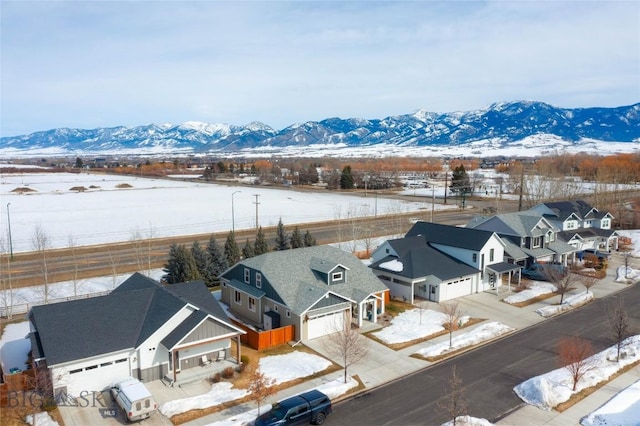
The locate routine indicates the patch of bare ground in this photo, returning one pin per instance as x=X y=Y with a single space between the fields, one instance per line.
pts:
x=78 y=188
x=579 y=396
x=399 y=346
x=123 y=185
x=241 y=380
x=23 y=190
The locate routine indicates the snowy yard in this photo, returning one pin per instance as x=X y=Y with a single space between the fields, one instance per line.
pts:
x=412 y=325
x=280 y=368
x=480 y=334
x=551 y=389
x=536 y=289
x=621 y=410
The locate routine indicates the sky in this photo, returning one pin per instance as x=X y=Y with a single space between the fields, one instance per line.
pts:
x=89 y=64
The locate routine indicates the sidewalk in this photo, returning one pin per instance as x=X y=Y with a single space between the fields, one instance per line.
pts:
x=383 y=365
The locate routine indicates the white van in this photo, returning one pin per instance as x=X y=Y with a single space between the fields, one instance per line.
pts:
x=134 y=398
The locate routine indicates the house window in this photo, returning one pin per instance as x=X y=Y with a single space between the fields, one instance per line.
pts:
x=605 y=223
x=105 y=364
x=237 y=297
x=121 y=360
x=491 y=254
x=75 y=371
x=475 y=257
x=92 y=367
x=247 y=275
x=252 y=304
x=275 y=308
x=258 y=280
x=224 y=284
x=336 y=276
x=288 y=314
x=536 y=242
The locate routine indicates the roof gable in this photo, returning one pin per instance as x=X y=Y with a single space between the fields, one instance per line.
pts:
x=294 y=276
x=121 y=320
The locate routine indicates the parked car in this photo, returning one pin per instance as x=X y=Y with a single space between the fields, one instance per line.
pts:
x=542 y=271
x=134 y=398
x=590 y=255
x=311 y=407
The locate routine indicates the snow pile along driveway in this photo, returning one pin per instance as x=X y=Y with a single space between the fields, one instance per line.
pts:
x=568 y=303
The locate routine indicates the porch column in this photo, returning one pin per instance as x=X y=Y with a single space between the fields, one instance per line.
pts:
x=238 y=349
x=173 y=361
x=375 y=310
x=361 y=310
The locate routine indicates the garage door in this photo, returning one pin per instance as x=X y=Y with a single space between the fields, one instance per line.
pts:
x=97 y=377
x=325 y=324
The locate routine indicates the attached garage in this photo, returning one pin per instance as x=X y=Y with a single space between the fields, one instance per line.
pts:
x=92 y=377
x=327 y=323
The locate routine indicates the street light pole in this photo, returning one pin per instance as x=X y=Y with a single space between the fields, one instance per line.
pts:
x=233 y=213
x=9 y=223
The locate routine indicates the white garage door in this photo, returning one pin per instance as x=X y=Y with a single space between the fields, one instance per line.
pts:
x=97 y=377
x=325 y=324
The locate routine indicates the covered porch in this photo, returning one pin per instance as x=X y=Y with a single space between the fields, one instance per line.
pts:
x=499 y=269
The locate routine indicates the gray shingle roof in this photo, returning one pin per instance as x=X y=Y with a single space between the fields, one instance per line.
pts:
x=453 y=236
x=516 y=223
x=294 y=275
x=421 y=260
x=121 y=320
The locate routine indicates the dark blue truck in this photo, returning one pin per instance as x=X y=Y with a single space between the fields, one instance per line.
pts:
x=310 y=407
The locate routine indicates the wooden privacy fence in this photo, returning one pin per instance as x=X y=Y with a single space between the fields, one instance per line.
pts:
x=13 y=383
x=265 y=339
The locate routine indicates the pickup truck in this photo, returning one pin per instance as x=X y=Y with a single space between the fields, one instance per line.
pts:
x=310 y=407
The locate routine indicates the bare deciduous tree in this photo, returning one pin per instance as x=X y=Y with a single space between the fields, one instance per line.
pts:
x=453 y=403
x=564 y=280
x=619 y=321
x=451 y=310
x=260 y=387
x=40 y=242
x=574 y=355
x=588 y=282
x=347 y=344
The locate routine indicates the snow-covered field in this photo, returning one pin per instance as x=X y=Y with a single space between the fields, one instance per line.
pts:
x=105 y=213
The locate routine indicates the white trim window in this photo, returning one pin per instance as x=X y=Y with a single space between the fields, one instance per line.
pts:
x=336 y=276
x=237 y=297
x=288 y=314
x=258 y=280
x=247 y=275
x=252 y=304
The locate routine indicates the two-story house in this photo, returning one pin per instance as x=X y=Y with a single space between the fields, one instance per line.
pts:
x=581 y=225
x=316 y=289
x=529 y=237
x=441 y=262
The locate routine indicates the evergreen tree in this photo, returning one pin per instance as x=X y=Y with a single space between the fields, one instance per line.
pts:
x=309 y=241
x=78 y=163
x=231 y=250
x=202 y=260
x=296 y=238
x=218 y=262
x=346 y=179
x=260 y=245
x=460 y=180
x=247 y=250
x=181 y=265
x=281 y=237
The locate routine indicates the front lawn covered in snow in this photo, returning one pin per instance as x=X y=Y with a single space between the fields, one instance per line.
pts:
x=536 y=291
x=549 y=390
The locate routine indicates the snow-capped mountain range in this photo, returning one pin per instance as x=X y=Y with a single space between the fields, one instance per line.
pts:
x=507 y=128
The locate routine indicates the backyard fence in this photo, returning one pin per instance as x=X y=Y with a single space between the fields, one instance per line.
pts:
x=266 y=338
x=8 y=311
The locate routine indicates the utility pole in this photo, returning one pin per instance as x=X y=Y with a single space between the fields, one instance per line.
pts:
x=433 y=199
x=257 y=203
x=9 y=224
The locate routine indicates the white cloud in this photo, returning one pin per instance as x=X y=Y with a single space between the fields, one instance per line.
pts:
x=91 y=64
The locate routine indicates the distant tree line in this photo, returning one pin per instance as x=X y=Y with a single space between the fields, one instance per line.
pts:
x=208 y=263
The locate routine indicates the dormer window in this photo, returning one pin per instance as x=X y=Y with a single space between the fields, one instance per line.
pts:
x=247 y=275
x=337 y=276
x=258 y=280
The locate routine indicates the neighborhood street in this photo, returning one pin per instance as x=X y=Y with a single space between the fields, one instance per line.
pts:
x=488 y=373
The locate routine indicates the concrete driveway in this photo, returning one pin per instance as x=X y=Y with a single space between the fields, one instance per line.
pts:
x=100 y=409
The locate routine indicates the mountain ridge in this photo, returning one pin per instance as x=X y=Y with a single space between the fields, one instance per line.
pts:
x=501 y=124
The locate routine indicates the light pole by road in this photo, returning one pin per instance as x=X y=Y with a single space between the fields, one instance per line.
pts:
x=9 y=226
x=233 y=213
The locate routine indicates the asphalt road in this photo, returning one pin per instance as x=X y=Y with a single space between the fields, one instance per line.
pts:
x=488 y=373
x=92 y=261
